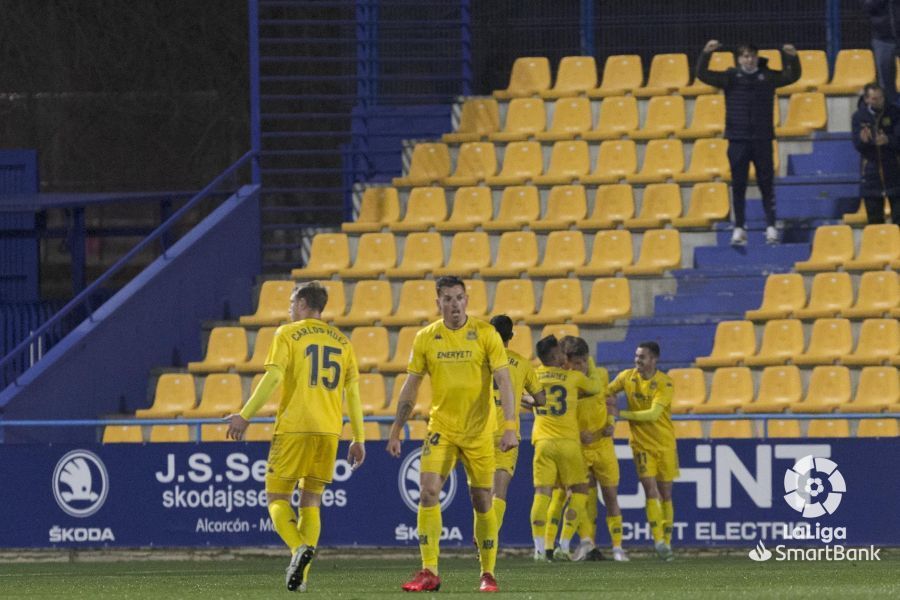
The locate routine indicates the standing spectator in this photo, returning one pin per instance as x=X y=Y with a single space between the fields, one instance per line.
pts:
x=876 y=135
x=749 y=100
x=884 y=15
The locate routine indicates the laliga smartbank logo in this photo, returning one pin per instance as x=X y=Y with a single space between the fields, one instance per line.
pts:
x=760 y=553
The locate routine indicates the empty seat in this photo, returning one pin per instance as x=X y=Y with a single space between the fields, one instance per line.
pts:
x=372 y=302
x=424 y=207
x=731 y=428
x=371 y=392
x=829 y=341
x=784 y=293
x=559 y=330
x=475 y=162
x=563 y=253
x=665 y=116
x=813 y=73
x=662 y=160
x=576 y=75
x=560 y=301
x=514 y=298
x=476 y=291
x=525 y=117
x=402 y=348
x=472 y=206
x=371 y=431
x=616 y=160
x=380 y=206
x=160 y=434
x=660 y=203
x=571 y=119
x=687 y=429
x=622 y=74
x=375 y=254
x=429 y=164
x=773 y=57
x=274 y=301
x=782 y=339
x=832 y=246
x=529 y=76
x=569 y=161
x=878 y=388
x=782 y=428
x=479 y=118
x=516 y=253
x=668 y=73
x=566 y=204
x=879 y=340
x=719 y=61
x=226 y=347
x=880 y=245
x=519 y=206
x=618 y=116
x=829 y=388
x=214 y=432
x=416 y=305
x=270 y=408
x=613 y=205
x=878 y=428
x=779 y=389
x=423 y=252
x=222 y=395
x=708 y=119
x=415 y=430
x=708 y=203
x=806 y=113
x=522 y=162
x=337 y=302
x=612 y=253
x=852 y=70
x=469 y=253
x=329 y=253
x=879 y=292
x=610 y=301
x=830 y=294
x=371 y=346
x=123 y=434
x=709 y=160
x=660 y=252
x=734 y=342
x=689 y=389
x=521 y=343
x=423 y=396
x=828 y=428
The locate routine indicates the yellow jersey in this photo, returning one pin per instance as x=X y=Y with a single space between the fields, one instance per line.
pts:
x=319 y=364
x=461 y=363
x=641 y=394
x=558 y=419
x=523 y=378
x=592 y=413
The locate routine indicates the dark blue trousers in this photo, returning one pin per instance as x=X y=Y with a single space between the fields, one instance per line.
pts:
x=740 y=154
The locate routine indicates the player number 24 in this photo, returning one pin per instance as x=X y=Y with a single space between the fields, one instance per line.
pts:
x=331 y=369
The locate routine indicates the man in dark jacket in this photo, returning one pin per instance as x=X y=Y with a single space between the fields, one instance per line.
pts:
x=876 y=135
x=749 y=101
x=884 y=15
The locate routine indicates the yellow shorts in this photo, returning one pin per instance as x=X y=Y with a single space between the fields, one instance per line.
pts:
x=304 y=457
x=660 y=464
x=558 y=460
x=505 y=461
x=600 y=459
x=440 y=452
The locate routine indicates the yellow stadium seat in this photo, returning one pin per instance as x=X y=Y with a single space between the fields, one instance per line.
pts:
x=852 y=70
x=403 y=347
x=576 y=75
x=878 y=388
x=829 y=388
x=372 y=302
x=475 y=162
x=687 y=430
x=612 y=253
x=689 y=389
x=371 y=392
x=123 y=434
x=731 y=428
x=782 y=339
x=878 y=428
x=616 y=160
x=522 y=162
x=417 y=430
x=779 y=389
x=665 y=116
x=519 y=206
x=830 y=294
x=773 y=56
x=470 y=251
x=424 y=207
x=371 y=345
x=423 y=252
x=375 y=254
x=417 y=304
x=783 y=295
x=708 y=203
x=477 y=292
x=571 y=119
x=622 y=430
x=879 y=340
x=479 y=118
x=472 y=206
x=380 y=206
x=880 y=245
x=222 y=395
x=832 y=246
x=330 y=252
x=274 y=301
x=525 y=117
x=423 y=397
x=668 y=74
x=622 y=74
x=516 y=253
x=563 y=253
x=806 y=113
x=566 y=204
x=227 y=346
x=610 y=301
x=709 y=161
x=860 y=217
x=782 y=428
x=719 y=61
x=708 y=119
x=521 y=342
x=879 y=292
x=271 y=406
x=371 y=429
x=560 y=330
x=830 y=340
x=660 y=203
x=828 y=428
x=336 y=300
x=613 y=205
x=663 y=159
x=169 y=434
x=259 y=432
x=660 y=252
x=734 y=342
x=618 y=116
x=569 y=162
x=214 y=432
x=813 y=72
x=529 y=76
x=560 y=301
x=514 y=298
x=429 y=164
x=731 y=389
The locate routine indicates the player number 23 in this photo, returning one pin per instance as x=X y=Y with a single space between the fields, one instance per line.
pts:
x=556 y=402
x=331 y=369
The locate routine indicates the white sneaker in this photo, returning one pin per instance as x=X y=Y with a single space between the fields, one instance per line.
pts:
x=619 y=555
x=664 y=551
x=739 y=237
x=295 y=574
x=771 y=235
x=582 y=550
x=540 y=556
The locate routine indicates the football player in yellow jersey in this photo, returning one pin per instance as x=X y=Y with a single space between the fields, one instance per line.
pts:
x=464 y=357
x=316 y=367
x=599 y=453
x=649 y=393
x=557 y=445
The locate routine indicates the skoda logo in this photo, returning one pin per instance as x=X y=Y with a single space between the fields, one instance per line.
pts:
x=814 y=486
x=80 y=483
x=408 y=481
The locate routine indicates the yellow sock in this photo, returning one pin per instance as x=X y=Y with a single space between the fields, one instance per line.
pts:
x=668 y=520
x=284 y=520
x=539 y=515
x=500 y=511
x=573 y=513
x=614 y=524
x=654 y=517
x=486 y=538
x=429 y=524
x=310 y=525
x=587 y=524
x=554 y=516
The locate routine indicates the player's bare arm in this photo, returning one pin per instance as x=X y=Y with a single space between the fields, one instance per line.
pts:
x=504 y=384
x=405 y=405
x=356 y=455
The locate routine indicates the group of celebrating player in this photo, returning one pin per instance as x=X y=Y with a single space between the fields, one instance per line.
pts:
x=477 y=384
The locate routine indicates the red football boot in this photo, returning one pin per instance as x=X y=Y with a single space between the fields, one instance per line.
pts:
x=424 y=581
x=488 y=583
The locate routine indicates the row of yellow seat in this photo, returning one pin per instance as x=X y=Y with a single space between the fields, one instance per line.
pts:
x=833 y=248
x=669 y=74
x=573 y=118
x=257 y=432
x=776 y=428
